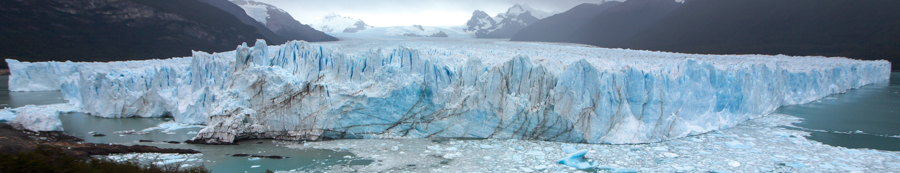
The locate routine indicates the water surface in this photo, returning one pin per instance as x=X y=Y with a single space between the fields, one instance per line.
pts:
x=19 y=99
x=217 y=157
x=868 y=117
x=79 y=124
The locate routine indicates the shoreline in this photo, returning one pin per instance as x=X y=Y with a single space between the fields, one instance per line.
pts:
x=16 y=140
x=765 y=144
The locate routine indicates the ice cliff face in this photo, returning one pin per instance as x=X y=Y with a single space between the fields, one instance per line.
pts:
x=474 y=89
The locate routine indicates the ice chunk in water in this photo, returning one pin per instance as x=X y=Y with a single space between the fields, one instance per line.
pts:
x=576 y=160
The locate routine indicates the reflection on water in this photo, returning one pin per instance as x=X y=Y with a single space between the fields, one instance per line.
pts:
x=19 y=99
x=867 y=117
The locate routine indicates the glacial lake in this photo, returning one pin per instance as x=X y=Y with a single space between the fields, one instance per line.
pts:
x=216 y=157
x=867 y=117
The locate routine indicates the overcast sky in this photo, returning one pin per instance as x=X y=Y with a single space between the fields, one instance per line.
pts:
x=410 y=12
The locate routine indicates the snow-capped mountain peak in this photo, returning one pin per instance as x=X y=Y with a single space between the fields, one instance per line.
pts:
x=480 y=20
x=335 y=23
x=334 y=15
x=504 y=25
x=518 y=9
x=515 y=10
x=257 y=11
x=279 y=21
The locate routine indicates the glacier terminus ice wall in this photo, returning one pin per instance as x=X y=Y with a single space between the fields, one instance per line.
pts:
x=469 y=89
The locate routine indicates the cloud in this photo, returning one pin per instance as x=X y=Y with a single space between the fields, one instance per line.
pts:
x=410 y=12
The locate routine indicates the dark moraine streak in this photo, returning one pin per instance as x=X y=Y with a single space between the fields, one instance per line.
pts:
x=13 y=140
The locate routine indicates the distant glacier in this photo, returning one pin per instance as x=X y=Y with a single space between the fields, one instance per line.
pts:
x=448 y=88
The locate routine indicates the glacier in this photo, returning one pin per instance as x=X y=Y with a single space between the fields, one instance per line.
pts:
x=448 y=88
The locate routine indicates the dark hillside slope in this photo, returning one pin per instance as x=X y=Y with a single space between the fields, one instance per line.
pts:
x=239 y=12
x=508 y=27
x=107 y=30
x=861 y=29
x=617 y=24
x=285 y=25
x=559 y=27
x=279 y=22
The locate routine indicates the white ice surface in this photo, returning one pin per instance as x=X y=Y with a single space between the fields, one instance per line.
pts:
x=169 y=126
x=773 y=148
x=7 y=115
x=159 y=159
x=450 y=88
x=39 y=118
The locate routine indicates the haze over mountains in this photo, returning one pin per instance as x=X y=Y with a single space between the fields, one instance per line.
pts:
x=480 y=25
x=113 y=30
x=867 y=29
x=334 y=23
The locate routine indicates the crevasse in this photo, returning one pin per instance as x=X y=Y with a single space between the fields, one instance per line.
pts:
x=470 y=89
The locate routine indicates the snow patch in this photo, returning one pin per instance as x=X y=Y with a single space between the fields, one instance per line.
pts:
x=258 y=12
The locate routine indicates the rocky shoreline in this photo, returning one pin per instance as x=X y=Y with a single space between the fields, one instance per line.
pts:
x=14 y=140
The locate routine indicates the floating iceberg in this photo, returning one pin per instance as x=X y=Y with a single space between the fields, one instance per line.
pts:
x=459 y=88
x=158 y=159
x=170 y=126
x=38 y=118
x=576 y=160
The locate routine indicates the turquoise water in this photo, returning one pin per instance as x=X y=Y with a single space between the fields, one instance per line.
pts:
x=867 y=117
x=79 y=124
x=19 y=99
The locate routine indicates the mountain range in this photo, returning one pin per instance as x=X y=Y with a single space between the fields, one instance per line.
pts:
x=106 y=30
x=559 y=27
x=239 y=12
x=504 y=25
x=409 y=31
x=334 y=23
x=115 y=30
x=280 y=22
x=868 y=29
